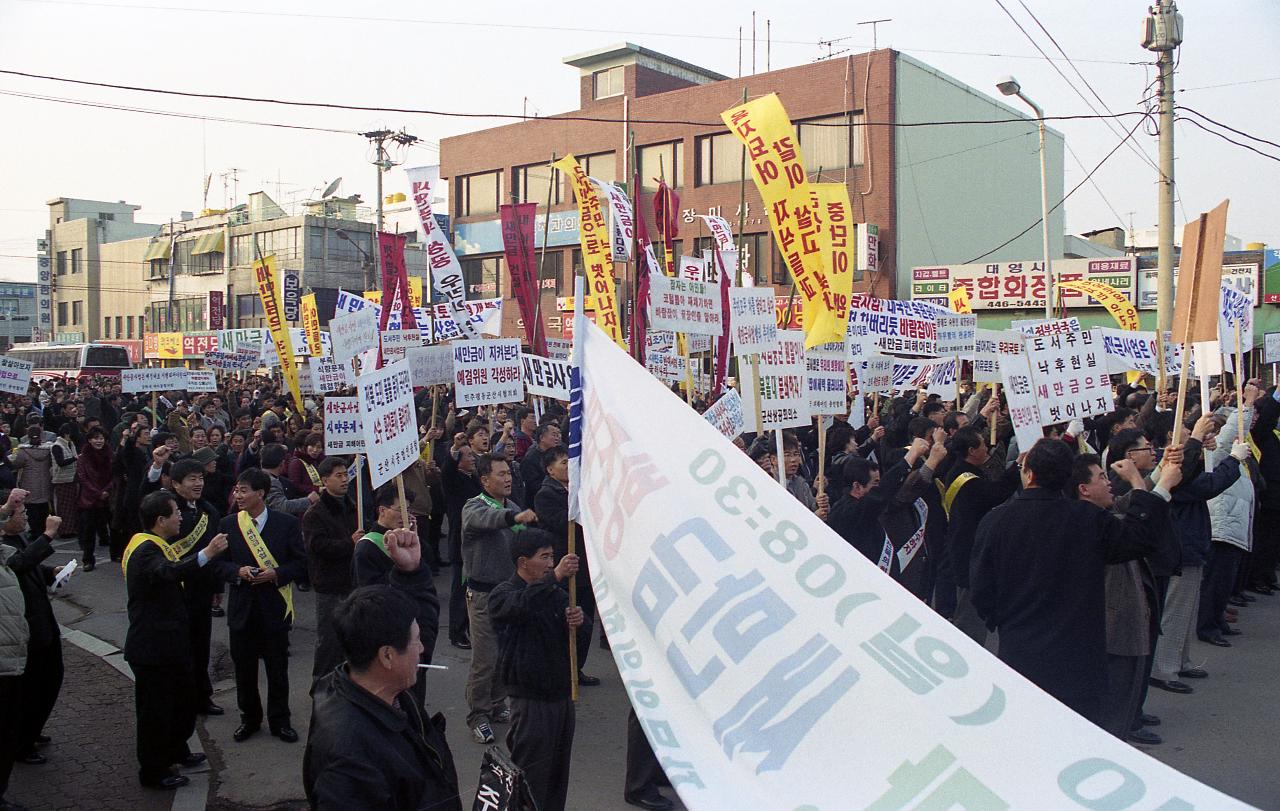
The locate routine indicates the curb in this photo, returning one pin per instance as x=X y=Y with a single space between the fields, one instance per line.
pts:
x=195 y=795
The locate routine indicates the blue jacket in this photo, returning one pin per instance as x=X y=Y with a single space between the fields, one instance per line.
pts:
x=1189 y=507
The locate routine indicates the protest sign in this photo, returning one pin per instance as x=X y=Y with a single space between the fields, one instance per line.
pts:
x=430 y=365
x=593 y=238
x=134 y=381
x=1196 y=306
x=343 y=431
x=858 y=412
x=784 y=401
x=1061 y=326
x=692 y=269
x=988 y=346
x=1271 y=347
x=200 y=381
x=1069 y=376
x=487 y=372
x=353 y=333
x=896 y=327
x=826 y=378
x=264 y=270
x=935 y=376
x=666 y=366
x=875 y=375
x=446 y=271
x=328 y=376
x=726 y=414
x=698 y=343
x=1019 y=392
x=1235 y=320
x=310 y=323
x=306 y=384
x=484 y=316
x=558 y=348
x=546 y=377
x=238 y=361
x=15 y=375
x=683 y=306
x=396 y=342
x=956 y=334
x=1135 y=351
x=389 y=419
x=742 y=690
x=752 y=323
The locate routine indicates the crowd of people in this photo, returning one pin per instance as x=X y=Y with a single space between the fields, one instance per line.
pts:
x=1094 y=555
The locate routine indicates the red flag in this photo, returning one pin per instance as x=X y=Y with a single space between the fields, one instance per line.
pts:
x=666 y=213
x=517 y=244
x=395 y=280
x=722 y=345
x=639 y=324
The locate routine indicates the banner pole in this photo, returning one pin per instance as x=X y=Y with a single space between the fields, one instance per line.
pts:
x=782 y=467
x=957 y=383
x=359 y=493
x=404 y=503
x=573 y=603
x=755 y=375
x=435 y=411
x=995 y=394
x=1239 y=387
x=822 y=456
x=1187 y=332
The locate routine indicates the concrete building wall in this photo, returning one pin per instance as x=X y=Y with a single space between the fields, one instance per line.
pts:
x=123 y=290
x=964 y=189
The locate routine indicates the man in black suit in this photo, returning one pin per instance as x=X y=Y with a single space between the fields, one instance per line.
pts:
x=266 y=557
x=158 y=644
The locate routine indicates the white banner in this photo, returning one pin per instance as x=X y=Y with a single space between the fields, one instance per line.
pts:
x=897 y=327
x=389 y=419
x=752 y=323
x=301 y=349
x=487 y=372
x=1019 y=393
x=726 y=414
x=1234 y=309
x=621 y=222
x=935 y=376
x=1135 y=351
x=134 y=381
x=783 y=399
x=241 y=360
x=692 y=269
x=343 y=431
x=826 y=379
x=1069 y=373
x=328 y=376
x=684 y=306
x=721 y=233
x=353 y=333
x=989 y=345
x=558 y=348
x=396 y=342
x=431 y=365
x=666 y=366
x=15 y=375
x=751 y=639
x=201 y=381
x=546 y=377
x=484 y=315
x=875 y=375
x=446 y=272
x=1061 y=326
x=956 y=334
x=1271 y=347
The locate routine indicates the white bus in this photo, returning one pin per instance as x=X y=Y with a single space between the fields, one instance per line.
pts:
x=72 y=361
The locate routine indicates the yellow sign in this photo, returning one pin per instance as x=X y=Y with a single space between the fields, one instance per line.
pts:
x=597 y=256
x=415 y=292
x=774 y=151
x=839 y=246
x=959 y=300
x=264 y=270
x=169 y=345
x=1121 y=309
x=311 y=323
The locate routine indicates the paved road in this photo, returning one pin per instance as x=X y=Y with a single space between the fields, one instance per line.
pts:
x=1221 y=735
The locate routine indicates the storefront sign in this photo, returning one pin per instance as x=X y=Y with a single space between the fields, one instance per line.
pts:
x=1020 y=285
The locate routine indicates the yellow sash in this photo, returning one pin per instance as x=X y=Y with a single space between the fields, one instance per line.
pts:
x=138 y=540
x=258 y=548
x=949 y=497
x=185 y=545
x=311 y=471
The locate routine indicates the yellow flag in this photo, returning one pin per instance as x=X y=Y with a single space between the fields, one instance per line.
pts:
x=311 y=324
x=838 y=243
x=959 y=300
x=264 y=270
x=774 y=151
x=597 y=256
x=1121 y=309
x=415 y=292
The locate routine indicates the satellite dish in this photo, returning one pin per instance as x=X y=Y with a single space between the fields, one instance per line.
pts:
x=331 y=188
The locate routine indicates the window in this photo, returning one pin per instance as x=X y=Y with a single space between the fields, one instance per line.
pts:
x=120 y=326
x=283 y=242
x=532 y=184
x=128 y=323
x=607 y=83
x=482 y=277
x=77 y=313
x=106 y=326
x=549 y=272
x=660 y=160
x=826 y=146
x=603 y=167
x=719 y=159
x=660 y=254
x=159 y=269
x=249 y=311
x=62 y=263
x=107 y=357
x=479 y=194
x=62 y=314
x=77 y=255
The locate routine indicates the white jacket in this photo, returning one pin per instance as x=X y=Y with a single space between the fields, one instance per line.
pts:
x=1231 y=512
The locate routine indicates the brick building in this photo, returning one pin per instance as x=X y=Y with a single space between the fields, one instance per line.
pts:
x=935 y=193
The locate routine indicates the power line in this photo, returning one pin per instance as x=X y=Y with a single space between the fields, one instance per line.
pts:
x=1227 y=84
x=1066 y=197
x=1227 y=139
x=1228 y=127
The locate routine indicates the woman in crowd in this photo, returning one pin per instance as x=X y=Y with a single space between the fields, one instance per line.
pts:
x=93 y=478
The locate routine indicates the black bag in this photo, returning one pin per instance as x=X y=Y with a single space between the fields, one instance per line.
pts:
x=502 y=786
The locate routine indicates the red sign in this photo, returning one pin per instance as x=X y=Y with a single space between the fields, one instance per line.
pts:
x=134 y=347
x=194 y=346
x=217 y=310
x=517 y=243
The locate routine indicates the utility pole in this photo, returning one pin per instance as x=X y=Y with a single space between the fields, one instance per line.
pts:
x=382 y=162
x=1163 y=34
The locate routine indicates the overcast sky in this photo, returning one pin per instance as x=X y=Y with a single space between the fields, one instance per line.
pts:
x=498 y=56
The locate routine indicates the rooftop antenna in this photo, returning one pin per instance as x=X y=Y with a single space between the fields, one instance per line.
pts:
x=207 y=180
x=830 y=44
x=873 y=23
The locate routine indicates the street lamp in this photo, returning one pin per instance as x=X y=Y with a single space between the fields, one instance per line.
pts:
x=1009 y=86
x=368 y=260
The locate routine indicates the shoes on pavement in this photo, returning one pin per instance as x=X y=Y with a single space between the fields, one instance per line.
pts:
x=502 y=716
x=193 y=759
x=1171 y=686
x=212 y=709
x=1267 y=590
x=1145 y=736
x=1232 y=632
x=482 y=732
x=587 y=681
x=303 y=587
x=1215 y=640
x=652 y=801
x=285 y=733
x=32 y=758
x=90 y=565
x=460 y=642
x=168 y=782
x=1149 y=720
x=1194 y=673
x=244 y=731
x=217 y=611
x=1238 y=602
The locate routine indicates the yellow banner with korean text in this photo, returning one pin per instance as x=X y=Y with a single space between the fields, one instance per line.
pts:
x=169 y=345
x=311 y=324
x=778 y=170
x=264 y=270
x=839 y=247
x=597 y=256
x=415 y=293
x=1121 y=309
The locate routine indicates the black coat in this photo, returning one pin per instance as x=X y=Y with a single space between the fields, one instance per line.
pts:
x=1038 y=570
x=34 y=577
x=202 y=584
x=159 y=630
x=370 y=566
x=283 y=537
x=362 y=753
x=972 y=503
x=327 y=527
x=1264 y=436
x=533 y=639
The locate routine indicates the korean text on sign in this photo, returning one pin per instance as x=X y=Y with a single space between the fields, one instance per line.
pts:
x=390 y=421
x=487 y=372
x=343 y=431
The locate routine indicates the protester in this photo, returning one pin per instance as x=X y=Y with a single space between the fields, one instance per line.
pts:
x=33 y=462
x=330 y=533
x=62 y=475
x=93 y=481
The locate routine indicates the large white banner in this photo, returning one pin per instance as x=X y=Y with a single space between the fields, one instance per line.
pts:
x=353 y=333
x=487 y=372
x=136 y=381
x=684 y=306
x=621 y=222
x=784 y=400
x=759 y=649
x=1135 y=351
x=446 y=272
x=826 y=379
x=431 y=365
x=343 y=431
x=894 y=327
x=545 y=377
x=752 y=323
x=484 y=315
x=15 y=374
x=389 y=419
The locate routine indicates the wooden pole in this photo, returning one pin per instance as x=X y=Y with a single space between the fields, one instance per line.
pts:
x=957 y=383
x=1194 y=283
x=404 y=503
x=1240 y=436
x=755 y=374
x=359 y=493
x=573 y=602
x=995 y=395
x=822 y=456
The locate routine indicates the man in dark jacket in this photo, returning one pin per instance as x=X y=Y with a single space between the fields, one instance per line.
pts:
x=533 y=620
x=1038 y=568
x=329 y=534
x=370 y=744
x=1261 y=574
x=158 y=643
x=458 y=473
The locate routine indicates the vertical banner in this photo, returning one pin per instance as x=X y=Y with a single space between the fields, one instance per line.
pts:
x=831 y=201
x=778 y=170
x=621 y=220
x=217 y=310
x=597 y=257
x=310 y=323
x=264 y=270
x=290 y=292
x=395 y=281
x=517 y=244
x=446 y=273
